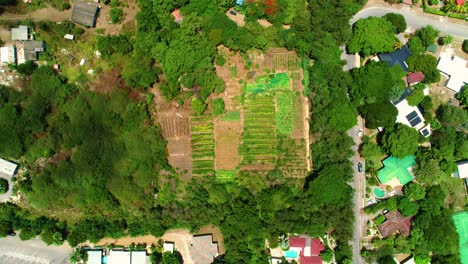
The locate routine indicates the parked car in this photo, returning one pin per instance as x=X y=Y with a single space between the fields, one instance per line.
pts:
x=12 y=234
x=360 y=132
x=232 y=12
x=359 y=167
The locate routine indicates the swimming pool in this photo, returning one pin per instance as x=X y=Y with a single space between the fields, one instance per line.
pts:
x=379 y=193
x=290 y=254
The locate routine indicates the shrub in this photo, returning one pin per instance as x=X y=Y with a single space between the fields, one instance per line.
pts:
x=198 y=106
x=116 y=15
x=218 y=107
x=220 y=60
x=434 y=2
x=416 y=96
x=3 y=185
x=397 y=20
x=65 y=6
x=465 y=46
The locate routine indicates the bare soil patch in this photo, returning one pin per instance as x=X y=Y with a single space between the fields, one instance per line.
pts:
x=175 y=127
x=227 y=140
x=129 y=14
x=238 y=18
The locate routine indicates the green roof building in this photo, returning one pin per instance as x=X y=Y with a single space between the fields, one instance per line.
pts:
x=432 y=48
x=396 y=171
x=461 y=223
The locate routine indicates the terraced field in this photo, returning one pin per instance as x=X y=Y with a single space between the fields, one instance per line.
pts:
x=258 y=147
x=202 y=142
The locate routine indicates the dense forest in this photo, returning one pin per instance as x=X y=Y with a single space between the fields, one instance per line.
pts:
x=97 y=162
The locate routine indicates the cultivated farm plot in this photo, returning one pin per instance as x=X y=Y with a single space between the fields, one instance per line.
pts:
x=202 y=143
x=227 y=138
x=258 y=147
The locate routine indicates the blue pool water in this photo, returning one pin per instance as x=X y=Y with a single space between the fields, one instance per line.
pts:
x=290 y=254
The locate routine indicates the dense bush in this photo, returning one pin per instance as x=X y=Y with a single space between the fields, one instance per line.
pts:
x=3 y=185
x=397 y=20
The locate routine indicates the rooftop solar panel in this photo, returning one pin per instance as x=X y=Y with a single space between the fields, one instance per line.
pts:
x=411 y=116
x=415 y=121
x=425 y=132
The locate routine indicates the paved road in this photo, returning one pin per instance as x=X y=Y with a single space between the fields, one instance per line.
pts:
x=15 y=251
x=416 y=20
x=358 y=184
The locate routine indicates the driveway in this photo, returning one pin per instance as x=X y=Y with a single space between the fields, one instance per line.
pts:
x=417 y=20
x=15 y=251
x=358 y=184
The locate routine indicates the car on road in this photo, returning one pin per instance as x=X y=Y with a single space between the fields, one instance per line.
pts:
x=360 y=132
x=232 y=12
x=359 y=167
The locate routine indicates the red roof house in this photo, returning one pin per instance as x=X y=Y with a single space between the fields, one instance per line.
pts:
x=308 y=249
x=460 y=2
x=415 y=78
x=177 y=16
x=395 y=222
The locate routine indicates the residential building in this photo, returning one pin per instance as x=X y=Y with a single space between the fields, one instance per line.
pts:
x=395 y=223
x=397 y=57
x=396 y=172
x=412 y=117
x=126 y=257
x=454 y=68
x=460 y=2
x=177 y=16
x=8 y=54
x=95 y=256
x=239 y=2
x=462 y=171
x=414 y=78
x=7 y=168
x=20 y=33
x=203 y=249
x=307 y=249
x=85 y=13
x=31 y=48
x=168 y=246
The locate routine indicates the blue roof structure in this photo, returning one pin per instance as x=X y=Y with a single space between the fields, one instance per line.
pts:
x=239 y=2
x=397 y=57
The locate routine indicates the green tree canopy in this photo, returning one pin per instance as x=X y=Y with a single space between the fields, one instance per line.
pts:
x=463 y=95
x=400 y=141
x=414 y=191
x=397 y=20
x=407 y=207
x=416 y=45
x=372 y=35
x=376 y=82
x=426 y=64
x=428 y=35
x=379 y=114
x=3 y=185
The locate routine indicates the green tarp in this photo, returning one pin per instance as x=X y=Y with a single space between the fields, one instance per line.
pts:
x=461 y=222
x=395 y=167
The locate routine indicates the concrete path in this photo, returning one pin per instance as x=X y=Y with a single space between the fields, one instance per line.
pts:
x=15 y=251
x=416 y=19
x=358 y=184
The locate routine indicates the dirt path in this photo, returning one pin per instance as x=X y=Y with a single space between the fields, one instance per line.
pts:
x=48 y=13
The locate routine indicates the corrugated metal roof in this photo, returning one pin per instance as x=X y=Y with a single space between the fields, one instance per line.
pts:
x=7 y=167
x=20 y=33
x=85 y=13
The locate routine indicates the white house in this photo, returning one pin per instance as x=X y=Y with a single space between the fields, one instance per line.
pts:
x=7 y=168
x=412 y=117
x=8 y=54
x=127 y=257
x=168 y=247
x=94 y=257
x=454 y=68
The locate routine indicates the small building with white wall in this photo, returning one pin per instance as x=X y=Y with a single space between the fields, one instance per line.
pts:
x=8 y=54
x=454 y=68
x=7 y=168
x=412 y=117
